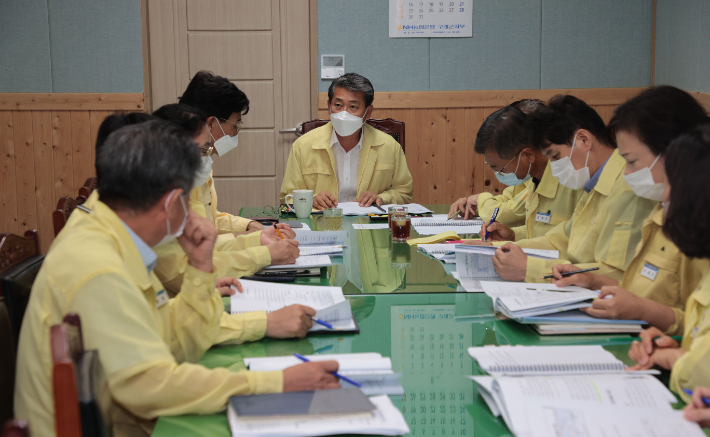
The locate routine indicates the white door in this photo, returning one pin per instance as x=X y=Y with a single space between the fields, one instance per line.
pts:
x=264 y=47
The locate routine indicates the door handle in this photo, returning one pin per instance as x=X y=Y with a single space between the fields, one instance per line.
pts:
x=294 y=130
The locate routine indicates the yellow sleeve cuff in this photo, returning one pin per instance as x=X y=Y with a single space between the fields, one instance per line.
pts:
x=238 y=328
x=252 y=240
x=485 y=211
x=538 y=267
x=261 y=256
x=521 y=233
x=225 y=238
x=197 y=284
x=266 y=382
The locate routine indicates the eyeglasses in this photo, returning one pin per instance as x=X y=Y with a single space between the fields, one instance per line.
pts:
x=238 y=124
x=207 y=151
x=500 y=172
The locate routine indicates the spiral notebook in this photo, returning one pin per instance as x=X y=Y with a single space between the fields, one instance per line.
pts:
x=437 y=225
x=547 y=360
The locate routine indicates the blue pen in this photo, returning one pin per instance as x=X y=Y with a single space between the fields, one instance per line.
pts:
x=306 y=360
x=493 y=218
x=322 y=322
x=689 y=392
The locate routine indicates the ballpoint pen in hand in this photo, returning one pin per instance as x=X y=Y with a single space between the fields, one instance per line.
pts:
x=452 y=215
x=380 y=208
x=306 y=360
x=689 y=392
x=565 y=274
x=324 y=323
x=493 y=219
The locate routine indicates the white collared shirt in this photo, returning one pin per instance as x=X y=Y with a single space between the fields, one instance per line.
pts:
x=346 y=171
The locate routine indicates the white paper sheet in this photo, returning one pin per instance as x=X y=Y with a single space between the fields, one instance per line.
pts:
x=321 y=250
x=271 y=296
x=362 y=226
x=491 y=250
x=353 y=208
x=350 y=364
x=305 y=262
x=385 y=420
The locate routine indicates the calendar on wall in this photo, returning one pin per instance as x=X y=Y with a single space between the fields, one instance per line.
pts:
x=431 y=19
x=431 y=351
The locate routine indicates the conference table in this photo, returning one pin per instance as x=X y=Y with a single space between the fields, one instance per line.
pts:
x=409 y=309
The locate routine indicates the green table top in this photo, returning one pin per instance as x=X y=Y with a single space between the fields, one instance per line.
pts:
x=418 y=331
x=366 y=267
x=426 y=344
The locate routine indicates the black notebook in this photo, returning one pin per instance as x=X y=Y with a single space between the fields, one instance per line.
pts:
x=302 y=403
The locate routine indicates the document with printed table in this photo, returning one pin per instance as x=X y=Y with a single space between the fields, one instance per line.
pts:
x=601 y=405
x=548 y=360
x=578 y=322
x=371 y=370
x=321 y=242
x=329 y=302
x=386 y=419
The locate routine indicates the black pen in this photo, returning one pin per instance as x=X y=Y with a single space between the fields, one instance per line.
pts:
x=565 y=274
x=380 y=208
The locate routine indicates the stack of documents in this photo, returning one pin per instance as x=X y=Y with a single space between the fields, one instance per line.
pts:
x=305 y=262
x=553 y=310
x=321 y=243
x=442 y=252
x=371 y=370
x=439 y=223
x=386 y=419
x=353 y=208
x=329 y=302
x=600 y=405
x=475 y=264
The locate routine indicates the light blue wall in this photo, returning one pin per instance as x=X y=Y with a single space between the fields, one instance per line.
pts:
x=683 y=44
x=71 y=46
x=516 y=44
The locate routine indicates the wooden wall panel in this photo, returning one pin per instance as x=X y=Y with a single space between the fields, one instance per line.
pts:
x=47 y=151
x=441 y=133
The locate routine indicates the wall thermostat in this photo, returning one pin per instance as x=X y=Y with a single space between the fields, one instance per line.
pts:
x=332 y=66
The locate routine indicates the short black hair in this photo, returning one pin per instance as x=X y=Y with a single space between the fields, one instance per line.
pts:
x=138 y=164
x=687 y=161
x=504 y=131
x=215 y=95
x=353 y=82
x=116 y=121
x=556 y=122
x=528 y=105
x=187 y=117
x=657 y=116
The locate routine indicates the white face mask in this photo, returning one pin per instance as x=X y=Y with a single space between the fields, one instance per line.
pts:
x=642 y=184
x=346 y=124
x=511 y=179
x=226 y=143
x=565 y=172
x=170 y=237
x=204 y=172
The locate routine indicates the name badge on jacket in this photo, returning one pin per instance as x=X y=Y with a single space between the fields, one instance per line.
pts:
x=543 y=217
x=161 y=298
x=649 y=271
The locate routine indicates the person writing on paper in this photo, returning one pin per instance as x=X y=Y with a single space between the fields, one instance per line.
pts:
x=234 y=256
x=605 y=227
x=659 y=279
x=510 y=203
x=687 y=199
x=697 y=409
x=348 y=160
x=502 y=140
x=147 y=344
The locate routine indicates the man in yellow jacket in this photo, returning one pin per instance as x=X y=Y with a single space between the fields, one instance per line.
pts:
x=503 y=143
x=511 y=202
x=348 y=160
x=606 y=225
x=101 y=269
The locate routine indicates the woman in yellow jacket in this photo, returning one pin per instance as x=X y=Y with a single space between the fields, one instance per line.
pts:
x=688 y=194
x=658 y=281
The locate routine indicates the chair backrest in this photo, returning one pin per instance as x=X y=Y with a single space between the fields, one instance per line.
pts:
x=388 y=126
x=65 y=207
x=75 y=377
x=15 y=428
x=90 y=185
x=7 y=363
x=20 y=262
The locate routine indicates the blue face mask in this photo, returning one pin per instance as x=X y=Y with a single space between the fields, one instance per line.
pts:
x=511 y=179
